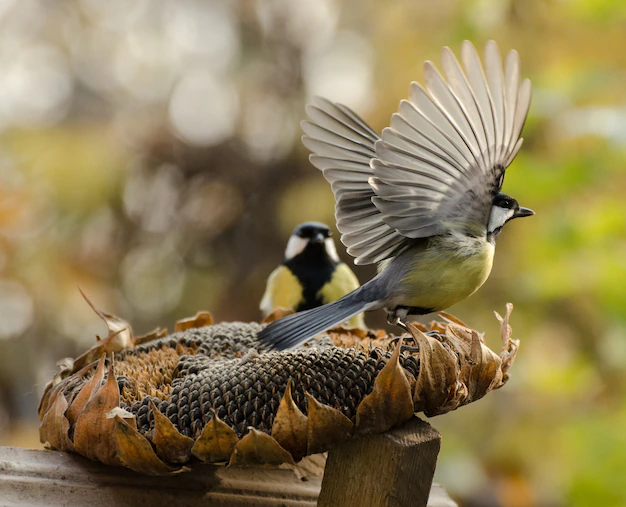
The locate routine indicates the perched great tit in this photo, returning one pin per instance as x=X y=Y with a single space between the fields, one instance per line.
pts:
x=311 y=275
x=424 y=199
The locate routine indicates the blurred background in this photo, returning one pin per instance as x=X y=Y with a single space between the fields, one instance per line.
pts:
x=150 y=154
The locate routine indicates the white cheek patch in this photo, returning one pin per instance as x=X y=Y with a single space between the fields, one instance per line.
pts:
x=499 y=216
x=331 y=249
x=295 y=245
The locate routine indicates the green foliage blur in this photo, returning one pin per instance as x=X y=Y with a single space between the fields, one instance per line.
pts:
x=150 y=154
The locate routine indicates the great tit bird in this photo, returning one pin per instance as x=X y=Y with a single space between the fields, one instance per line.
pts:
x=424 y=199
x=311 y=275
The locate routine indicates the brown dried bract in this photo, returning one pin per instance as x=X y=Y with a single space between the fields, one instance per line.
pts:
x=170 y=445
x=134 y=451
x=390 y=403
x=327 y=427
x=54 y=429
x=216 y=443
x=86 y=393
x=258 y=448
x=290 y=428
x=93 y=434
x=436 y=383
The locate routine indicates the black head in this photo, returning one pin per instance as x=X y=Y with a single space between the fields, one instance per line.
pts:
x=310 y=235
x=315 y=232
x=503 y=209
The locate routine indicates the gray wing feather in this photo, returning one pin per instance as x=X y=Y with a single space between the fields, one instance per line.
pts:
x=434 y=156
x=343 y=147
x=511 y=89
x=462 y=90
x=456 y=117
x=325 y=143
x=430 y=113
x=493 y=68
x=477 y=81
x=443 y=159
x=523 y=104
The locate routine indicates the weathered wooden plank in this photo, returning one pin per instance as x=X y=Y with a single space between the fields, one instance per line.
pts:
x=29 y=477
x=393 y=469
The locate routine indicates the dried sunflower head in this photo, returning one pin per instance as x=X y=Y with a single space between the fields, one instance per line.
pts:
x=211 y=391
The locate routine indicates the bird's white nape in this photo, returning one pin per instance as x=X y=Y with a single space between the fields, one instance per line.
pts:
x=498 y=217
x=295 y=246
x=331 y=249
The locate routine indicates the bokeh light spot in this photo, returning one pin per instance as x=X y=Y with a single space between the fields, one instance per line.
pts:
x=16 y=309
x=203 y=109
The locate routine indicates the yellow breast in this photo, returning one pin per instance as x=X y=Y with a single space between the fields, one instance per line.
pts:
x=283 y=291
x=444 y=273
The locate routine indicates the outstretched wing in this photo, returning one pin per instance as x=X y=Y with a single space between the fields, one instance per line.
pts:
x=436 y=168
x=343 y=146
x=442 y=160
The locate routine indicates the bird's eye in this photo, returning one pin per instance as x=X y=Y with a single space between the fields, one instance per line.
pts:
x=505 y=204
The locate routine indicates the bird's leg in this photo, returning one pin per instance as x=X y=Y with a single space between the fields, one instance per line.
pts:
x=399 y=318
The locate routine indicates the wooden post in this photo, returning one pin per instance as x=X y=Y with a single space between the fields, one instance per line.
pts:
x=393 y=469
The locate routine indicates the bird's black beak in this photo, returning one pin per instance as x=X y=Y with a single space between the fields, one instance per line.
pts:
x=317 y=239
x=524 y=212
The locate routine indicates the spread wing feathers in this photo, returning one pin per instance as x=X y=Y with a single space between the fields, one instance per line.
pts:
x=343 y=147
x=443 y=157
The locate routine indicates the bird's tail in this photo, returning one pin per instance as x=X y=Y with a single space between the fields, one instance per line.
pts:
x=293 y=330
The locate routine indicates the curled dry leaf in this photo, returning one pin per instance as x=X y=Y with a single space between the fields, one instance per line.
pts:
x=451 y=319
x=152 y=335
x=279 y=313
x=119 y=337
x=123 y=414
x=509 y=346
x=162 y=407
x=436 y=388
x=199 y=320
